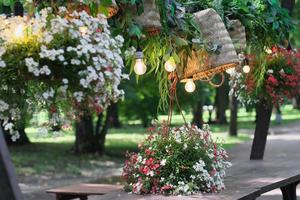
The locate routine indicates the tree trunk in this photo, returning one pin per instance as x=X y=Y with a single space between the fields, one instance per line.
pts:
x=296 y=102
x=102 y=135
x=84 y=135
x=233 y=129
x=288 y=4
x=198 y=114
x=89 y=140
x=263 y=113
x=221 y=104
x=114 y=120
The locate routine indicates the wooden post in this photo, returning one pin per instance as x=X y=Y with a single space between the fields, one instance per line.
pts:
x=263 y=119
x=10 y=189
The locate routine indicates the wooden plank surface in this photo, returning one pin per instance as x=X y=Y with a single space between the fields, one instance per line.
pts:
x=87 y=189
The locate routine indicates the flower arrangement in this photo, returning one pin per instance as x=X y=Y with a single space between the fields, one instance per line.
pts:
x=63 y=62
x=182 y=160
x=274 y=77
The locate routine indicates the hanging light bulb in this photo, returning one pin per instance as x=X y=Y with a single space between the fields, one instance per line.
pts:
x=139 y=68
x=230 y=71
x=170 y=65
x=19 y=32
x=83 y=30
x=246 y=69
x=190 y=86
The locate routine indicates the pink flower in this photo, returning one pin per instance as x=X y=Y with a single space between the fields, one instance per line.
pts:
x=149 y=152
x=166 y=188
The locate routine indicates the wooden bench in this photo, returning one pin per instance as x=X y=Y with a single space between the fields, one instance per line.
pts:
x=288 y=188
x=82 y=191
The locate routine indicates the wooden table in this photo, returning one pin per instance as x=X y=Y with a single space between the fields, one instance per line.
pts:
x=82 y=191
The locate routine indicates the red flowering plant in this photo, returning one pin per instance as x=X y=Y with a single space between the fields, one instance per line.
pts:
x=183 y=160
x=273 y=78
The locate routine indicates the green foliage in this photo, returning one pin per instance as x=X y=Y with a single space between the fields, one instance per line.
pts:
x=296 y=17
x=141 y=100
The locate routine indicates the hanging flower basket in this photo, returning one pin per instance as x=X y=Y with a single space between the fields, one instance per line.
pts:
x=202 y=64
x=237 y=33
x=150 y=18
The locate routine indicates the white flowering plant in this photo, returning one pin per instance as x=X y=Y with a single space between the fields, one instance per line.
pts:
x=183 y=160
x=63 y=62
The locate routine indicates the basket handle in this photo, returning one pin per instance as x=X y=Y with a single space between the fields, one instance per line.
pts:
x=216 y=85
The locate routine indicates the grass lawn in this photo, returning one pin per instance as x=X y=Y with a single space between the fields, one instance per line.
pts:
x=49 y=155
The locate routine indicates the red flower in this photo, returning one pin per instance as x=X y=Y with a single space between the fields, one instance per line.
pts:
x=144 y=169
x=272 y=80
x=149 y=152
x=149 y=161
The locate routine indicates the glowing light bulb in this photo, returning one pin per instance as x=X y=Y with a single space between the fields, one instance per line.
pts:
x=170 y=65
x=19 y=32
x=246 y=69
x=83 y=30
x=230 y=71
x=190 y=86
x=268 y=50
x=140 y=67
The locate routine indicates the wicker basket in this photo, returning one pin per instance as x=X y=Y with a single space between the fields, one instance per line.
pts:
x=202 y=65
x=113 y=9
x=150 y=18
x=237 y=33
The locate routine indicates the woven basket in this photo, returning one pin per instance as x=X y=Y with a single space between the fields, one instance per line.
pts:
x=113 y=9
x=237 y=33
x=203 y=65
x=150 y=18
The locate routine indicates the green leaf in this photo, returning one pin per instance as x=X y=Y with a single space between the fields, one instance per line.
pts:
x=176 y=57
x=106 y=3
x=135 y=30
x=102 y=9
x=181 y=42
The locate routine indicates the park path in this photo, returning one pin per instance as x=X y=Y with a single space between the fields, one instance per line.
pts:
x=282 y=160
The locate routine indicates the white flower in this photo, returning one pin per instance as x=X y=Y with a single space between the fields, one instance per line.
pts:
x=8 y=126
x=3 y=106
x=78 y=96
x=199 y=166
x=45 y=70
x=185 y=146
x=270 y=71
x=151 y=173
x=48 y=94
x=163 y=162
x=2 y=64
x=65 y=81
x=61 y=58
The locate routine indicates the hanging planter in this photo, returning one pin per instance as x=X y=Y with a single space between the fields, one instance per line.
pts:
x=202 y=65
x=237 y=33
x=113 y=9
x=150 y=18
x=78 y=7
